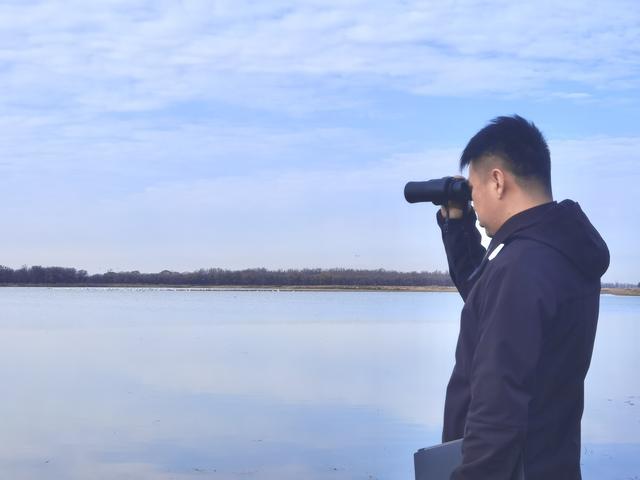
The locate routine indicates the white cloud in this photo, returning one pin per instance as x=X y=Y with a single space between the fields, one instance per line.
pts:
x=130 y=56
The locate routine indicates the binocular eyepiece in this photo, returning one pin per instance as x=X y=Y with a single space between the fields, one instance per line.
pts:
x=440 y=191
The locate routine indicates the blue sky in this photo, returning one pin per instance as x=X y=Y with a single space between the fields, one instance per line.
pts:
x=185 y=134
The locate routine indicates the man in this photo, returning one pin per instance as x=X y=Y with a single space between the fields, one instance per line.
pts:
x=530 y=313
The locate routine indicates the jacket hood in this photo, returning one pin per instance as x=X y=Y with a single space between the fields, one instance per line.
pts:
x=564 y=227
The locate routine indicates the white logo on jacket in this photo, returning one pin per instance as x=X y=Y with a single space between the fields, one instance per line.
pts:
x=496 y=251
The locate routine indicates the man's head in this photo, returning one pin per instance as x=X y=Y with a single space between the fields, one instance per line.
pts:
x=509 y=170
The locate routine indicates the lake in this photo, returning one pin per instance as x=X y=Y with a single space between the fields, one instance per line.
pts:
x=178 y=384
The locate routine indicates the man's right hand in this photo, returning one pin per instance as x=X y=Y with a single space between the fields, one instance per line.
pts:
x=456 y=210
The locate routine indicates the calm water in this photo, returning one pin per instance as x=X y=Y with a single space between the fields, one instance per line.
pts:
x=157 y=384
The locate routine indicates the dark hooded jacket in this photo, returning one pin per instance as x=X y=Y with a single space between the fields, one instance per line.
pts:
x=526 y=336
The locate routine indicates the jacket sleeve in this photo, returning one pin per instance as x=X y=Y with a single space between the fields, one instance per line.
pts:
x=502 y=372
x=462 y=245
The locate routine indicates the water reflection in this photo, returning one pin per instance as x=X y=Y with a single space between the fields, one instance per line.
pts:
x=156 y=384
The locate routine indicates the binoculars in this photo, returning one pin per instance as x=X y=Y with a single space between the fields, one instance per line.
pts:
x=439 y=191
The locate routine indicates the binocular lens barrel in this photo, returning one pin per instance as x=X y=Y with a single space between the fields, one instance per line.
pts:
x=415 y=192
x=438 y=191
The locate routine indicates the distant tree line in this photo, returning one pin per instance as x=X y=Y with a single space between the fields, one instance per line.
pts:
x=620 y=285
x=38 y=275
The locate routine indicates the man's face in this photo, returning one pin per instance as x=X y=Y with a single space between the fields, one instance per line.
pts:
x=483 y=201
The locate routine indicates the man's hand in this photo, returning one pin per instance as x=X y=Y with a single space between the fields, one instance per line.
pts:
x=456 y=209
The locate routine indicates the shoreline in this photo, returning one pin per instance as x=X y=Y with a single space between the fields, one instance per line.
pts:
x=292 y=288
x=625 y=292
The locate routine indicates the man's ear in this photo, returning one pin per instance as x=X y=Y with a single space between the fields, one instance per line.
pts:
x=497 y=182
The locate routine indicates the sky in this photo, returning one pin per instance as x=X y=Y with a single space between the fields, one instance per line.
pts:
x=150 y=135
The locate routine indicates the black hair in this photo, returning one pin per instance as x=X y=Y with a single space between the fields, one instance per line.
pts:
x=518 y=143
